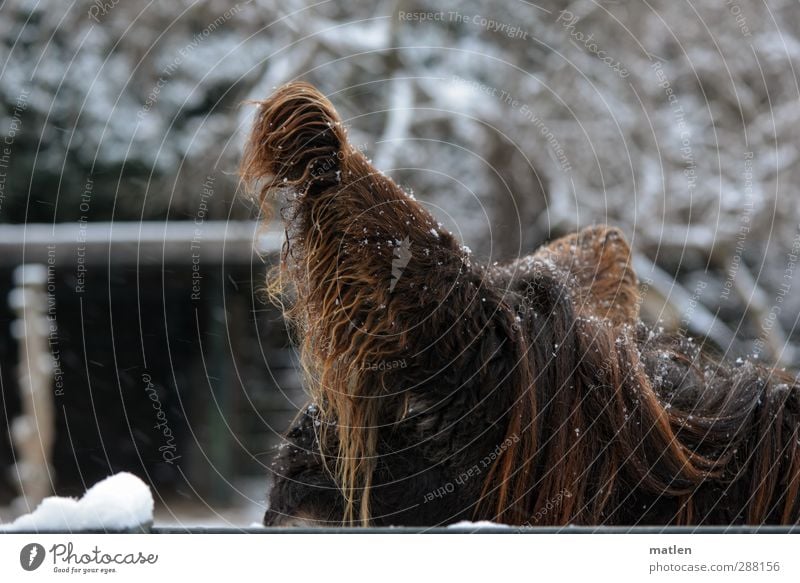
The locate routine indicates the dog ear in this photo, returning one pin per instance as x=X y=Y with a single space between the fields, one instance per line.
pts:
x=297 y=141
x=597 y=260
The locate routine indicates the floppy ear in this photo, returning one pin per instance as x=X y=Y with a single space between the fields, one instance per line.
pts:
x=597 y=261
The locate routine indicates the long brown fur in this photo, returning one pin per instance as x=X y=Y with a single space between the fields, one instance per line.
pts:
x=597 y=404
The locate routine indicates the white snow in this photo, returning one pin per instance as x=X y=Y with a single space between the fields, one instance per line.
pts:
x=478 y=524
x=119 y=502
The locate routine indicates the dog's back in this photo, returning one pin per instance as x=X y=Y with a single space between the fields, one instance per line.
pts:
x=527 y=393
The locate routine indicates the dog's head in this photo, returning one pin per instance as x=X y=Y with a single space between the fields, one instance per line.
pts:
x=304 y=490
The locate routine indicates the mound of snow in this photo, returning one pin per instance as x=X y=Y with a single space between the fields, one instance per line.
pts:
x=120 y=502
x=478 y=524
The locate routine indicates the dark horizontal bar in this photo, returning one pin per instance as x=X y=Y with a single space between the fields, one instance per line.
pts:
x=795 y=529
x=130 y=242
x=673 y=530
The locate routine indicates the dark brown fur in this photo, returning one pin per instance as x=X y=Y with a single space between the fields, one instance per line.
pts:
x=536 y=375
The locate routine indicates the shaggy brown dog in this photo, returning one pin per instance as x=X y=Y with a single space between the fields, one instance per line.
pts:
x=526 y=393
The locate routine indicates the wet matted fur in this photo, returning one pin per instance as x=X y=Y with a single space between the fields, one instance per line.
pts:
x=524 y=393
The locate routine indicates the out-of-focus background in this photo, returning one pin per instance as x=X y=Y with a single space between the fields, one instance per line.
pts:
x=134 y=331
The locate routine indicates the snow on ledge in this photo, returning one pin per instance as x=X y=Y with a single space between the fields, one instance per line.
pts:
x=119 y=502
x=478 y=524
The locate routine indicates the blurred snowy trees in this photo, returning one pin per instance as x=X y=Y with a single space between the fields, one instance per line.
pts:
x=515 y=121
